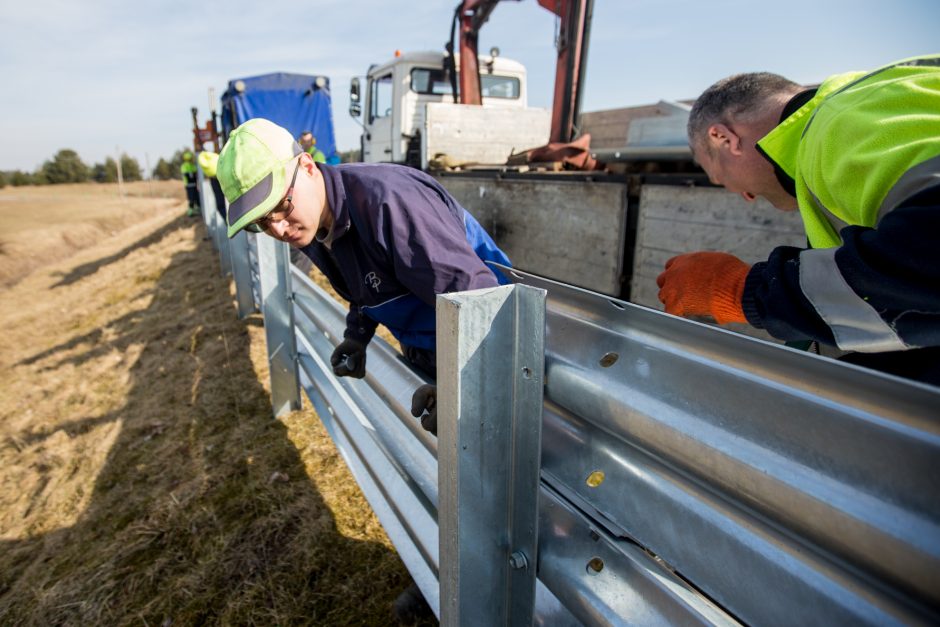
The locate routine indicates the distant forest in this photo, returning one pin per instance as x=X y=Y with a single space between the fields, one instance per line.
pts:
x=67 y=167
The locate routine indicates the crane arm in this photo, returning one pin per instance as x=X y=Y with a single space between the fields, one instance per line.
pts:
x=574 y=28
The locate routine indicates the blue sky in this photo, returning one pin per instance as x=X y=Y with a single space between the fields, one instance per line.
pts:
x=104 y=75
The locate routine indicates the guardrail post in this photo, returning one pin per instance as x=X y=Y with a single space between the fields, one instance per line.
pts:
x=277 y=306
x=219 y=233
x=215 y=225
x=490 y=366
x=201 y=188
x=222 y=241
x=241 y=272
x=253 y=269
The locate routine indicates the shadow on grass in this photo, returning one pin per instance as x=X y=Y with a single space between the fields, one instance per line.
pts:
x=86 y=269
x=204 y=511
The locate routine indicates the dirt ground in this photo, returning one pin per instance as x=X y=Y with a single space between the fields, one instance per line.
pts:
x=142 y=479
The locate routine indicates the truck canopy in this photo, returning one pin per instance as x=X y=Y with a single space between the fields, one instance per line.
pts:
x=298 y=102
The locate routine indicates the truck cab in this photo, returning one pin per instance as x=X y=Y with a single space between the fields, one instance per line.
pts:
x=398 y=93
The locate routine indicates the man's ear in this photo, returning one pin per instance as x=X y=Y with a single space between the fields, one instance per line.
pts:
x=307 y=165
x=721 y=137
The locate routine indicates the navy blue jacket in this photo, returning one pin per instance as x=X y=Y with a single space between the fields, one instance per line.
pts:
x=897 y=267
x=399 y=239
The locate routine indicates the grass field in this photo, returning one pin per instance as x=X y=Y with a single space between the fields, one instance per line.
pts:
x=142 y=479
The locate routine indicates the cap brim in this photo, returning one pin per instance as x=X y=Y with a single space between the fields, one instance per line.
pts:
x=253 y=204
x=260 y=199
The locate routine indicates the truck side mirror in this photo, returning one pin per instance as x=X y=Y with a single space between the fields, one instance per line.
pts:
x=355 y=109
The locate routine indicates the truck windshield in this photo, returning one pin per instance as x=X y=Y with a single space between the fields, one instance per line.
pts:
x=434 y=82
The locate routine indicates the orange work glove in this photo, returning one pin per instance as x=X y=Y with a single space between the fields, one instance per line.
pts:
x=704 y=284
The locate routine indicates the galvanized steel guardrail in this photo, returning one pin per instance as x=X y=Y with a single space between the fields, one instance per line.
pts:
x=684 y=474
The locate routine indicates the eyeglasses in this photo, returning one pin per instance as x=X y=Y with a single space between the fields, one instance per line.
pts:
x=264 y=223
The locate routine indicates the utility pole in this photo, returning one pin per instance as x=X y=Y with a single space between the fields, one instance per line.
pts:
x=211 y=99
x=149 y=174
x=117 y=159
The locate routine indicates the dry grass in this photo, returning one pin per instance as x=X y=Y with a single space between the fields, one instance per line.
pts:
x=41 y=225
x=143 y=480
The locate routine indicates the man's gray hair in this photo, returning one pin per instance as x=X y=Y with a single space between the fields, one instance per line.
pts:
x=737 y=97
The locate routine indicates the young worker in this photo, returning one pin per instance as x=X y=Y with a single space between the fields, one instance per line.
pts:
x=389 y=238
x=859 y=157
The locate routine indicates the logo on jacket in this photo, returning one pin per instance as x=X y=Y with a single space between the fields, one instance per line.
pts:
x=373 y=280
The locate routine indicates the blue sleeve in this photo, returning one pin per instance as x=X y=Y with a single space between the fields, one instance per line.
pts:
x=359 y=326
x=426 y=243
x=893 y=272
x=772 y=299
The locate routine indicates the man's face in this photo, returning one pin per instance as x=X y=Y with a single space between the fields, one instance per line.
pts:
x=298 y=224
x=306 y=141
x=731 y=173
x=732 y=161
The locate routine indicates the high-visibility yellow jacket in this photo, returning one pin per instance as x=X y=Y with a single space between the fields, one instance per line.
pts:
x=861 y=145
x=317 y=154
x=863 y=156
x=208 y=161
x=188 y=170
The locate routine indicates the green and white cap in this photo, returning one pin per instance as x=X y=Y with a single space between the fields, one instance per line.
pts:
x=252 y=170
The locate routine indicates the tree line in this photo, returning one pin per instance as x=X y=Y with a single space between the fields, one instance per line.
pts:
x=67 y=167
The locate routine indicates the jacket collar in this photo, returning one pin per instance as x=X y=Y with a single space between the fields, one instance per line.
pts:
x=784 y=139
x=336 y=203
x=781 y=145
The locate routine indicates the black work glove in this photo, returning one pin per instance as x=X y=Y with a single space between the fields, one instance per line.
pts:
x=424 y=406
x=349 y=359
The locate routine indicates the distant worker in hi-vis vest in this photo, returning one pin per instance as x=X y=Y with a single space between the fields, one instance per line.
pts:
x=309 y=144
x=208 y=162
x=188 y=170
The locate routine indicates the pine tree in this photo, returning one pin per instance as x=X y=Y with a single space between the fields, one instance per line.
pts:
x=65 y=167
x=130 y=169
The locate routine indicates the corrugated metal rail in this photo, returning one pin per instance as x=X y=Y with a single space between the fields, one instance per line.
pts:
x=688 y=474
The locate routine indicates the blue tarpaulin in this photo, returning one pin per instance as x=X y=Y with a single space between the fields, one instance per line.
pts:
x=293 y=101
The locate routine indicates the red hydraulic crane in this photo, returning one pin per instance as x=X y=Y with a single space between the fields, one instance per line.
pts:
x=574 y=27
x=203 y=135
